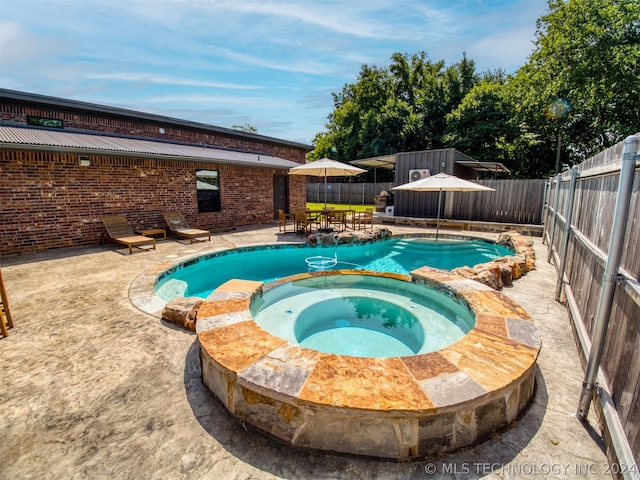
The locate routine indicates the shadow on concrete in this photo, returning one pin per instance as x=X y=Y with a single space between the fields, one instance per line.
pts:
x=54 y=254
x=265 y=453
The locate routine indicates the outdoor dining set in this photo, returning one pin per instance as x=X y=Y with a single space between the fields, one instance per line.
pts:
x=325 y=220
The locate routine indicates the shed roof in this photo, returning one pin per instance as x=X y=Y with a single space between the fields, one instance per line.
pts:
x=389 y=162
x=29 y=138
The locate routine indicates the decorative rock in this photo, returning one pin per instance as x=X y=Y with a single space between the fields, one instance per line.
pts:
x=502 y=271
x=357 y=236
x=182 y=312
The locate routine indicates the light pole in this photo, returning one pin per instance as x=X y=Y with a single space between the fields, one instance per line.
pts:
x=558 y=111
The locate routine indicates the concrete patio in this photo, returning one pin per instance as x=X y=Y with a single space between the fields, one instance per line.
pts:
x=94 y=388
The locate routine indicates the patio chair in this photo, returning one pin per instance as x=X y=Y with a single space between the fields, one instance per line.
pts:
x=337 y=219
x=303 y=222
x=119 y=230
x=178 y=225
x=365 y=218
x=283 y=220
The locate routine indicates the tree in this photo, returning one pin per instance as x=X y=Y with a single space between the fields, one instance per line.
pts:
x=482 y=125
x=398 y=108
x=588 y=53
x=245 y=128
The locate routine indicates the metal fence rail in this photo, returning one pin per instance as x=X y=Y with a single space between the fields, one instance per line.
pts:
x=580 y=233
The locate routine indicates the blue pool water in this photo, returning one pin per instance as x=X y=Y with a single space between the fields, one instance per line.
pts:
x=362 y=315
x=199 y=277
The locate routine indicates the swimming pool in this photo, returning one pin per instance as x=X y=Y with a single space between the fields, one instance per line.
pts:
x=200 y=276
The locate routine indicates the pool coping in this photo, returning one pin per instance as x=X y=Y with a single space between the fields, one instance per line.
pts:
x=399 y=407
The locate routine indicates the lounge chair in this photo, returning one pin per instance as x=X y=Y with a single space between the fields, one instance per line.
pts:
x=178 y=224
x=120 y=231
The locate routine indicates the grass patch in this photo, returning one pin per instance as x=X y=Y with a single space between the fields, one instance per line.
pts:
x=338 y=206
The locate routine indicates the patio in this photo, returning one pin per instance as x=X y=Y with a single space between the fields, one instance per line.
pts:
x=94 y=388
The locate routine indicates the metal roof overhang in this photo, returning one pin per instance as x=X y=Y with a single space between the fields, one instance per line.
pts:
x=20 y=138
x=389 y=162
x=483 y=166
x=384 y=161
x=32 y=98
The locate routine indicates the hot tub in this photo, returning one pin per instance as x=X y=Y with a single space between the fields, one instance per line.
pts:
x=401 y=407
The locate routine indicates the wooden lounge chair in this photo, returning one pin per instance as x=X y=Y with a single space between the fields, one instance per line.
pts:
x=120 y=231
x=178 y=224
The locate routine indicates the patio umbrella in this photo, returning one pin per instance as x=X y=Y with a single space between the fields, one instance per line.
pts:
x=326 y=168
x=442 y=182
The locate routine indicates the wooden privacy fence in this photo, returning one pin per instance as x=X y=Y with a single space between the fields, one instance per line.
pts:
x=578 y=219
x=514 y=201
x=347 y=193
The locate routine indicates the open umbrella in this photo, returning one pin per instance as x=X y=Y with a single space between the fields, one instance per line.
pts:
x=442 y=182
x=326 y=168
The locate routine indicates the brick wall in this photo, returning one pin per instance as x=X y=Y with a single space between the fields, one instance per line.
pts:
x=48 y=201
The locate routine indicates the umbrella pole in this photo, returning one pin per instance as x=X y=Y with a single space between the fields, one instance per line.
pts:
x=325 y=191
x=438 y=215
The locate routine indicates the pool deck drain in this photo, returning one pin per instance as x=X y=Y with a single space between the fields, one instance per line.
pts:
x=400 y=407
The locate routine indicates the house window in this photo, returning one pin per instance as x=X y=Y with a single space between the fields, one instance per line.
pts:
x=208 y=185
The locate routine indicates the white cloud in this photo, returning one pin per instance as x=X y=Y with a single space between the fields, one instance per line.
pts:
x=269 y=63
x=135 y=77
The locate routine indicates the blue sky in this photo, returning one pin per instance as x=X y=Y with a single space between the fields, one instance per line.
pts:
x=270 y=64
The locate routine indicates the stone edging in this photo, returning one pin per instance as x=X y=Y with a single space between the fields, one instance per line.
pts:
x=502 y=271
x=402 y=407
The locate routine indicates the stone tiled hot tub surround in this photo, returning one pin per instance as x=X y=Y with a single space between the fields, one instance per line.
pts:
x=402 y=407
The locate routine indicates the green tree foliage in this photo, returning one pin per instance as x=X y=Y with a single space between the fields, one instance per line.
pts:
x=588 y=53
x=586 y=56
x=398 y=108
x=482 y=125
x=247 y=127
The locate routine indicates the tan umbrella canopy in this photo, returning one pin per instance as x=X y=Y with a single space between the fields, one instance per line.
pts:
x=442 y=182
x=326 y=168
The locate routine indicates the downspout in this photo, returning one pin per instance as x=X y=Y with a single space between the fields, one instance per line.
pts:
x=610 y=277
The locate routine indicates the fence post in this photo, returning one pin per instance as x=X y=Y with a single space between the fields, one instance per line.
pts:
x=610 y=277
x=554 y=218
x=567 y=232
x=545 y=210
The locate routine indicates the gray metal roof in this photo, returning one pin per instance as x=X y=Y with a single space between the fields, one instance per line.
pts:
x=384 y=161
x=22 y=138
x=483 y=166
x=46 y=100
x=389 y=162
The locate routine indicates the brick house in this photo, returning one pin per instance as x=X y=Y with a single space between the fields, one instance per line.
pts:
x=65 y=163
